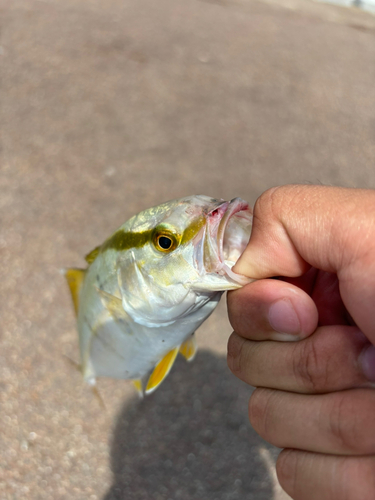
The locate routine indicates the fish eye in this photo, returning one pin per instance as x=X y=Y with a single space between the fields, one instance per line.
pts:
x=165 y=241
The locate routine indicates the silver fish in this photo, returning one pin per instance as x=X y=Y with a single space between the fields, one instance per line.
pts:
x=151 y=284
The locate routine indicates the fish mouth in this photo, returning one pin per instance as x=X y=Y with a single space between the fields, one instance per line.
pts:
x=227 y=235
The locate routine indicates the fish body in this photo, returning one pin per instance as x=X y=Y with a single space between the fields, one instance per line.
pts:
x=151 y=284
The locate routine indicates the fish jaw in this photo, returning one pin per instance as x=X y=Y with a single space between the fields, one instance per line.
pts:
x=226 y=234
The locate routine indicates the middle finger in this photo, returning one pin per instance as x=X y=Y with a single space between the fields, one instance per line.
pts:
x=330 y=360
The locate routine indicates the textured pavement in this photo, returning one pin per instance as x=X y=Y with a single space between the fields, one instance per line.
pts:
x=111 y=106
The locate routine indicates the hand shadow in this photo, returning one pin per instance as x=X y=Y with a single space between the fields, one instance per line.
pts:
x=191 y=439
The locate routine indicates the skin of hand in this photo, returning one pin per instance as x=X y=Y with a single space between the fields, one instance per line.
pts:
x=306 y=339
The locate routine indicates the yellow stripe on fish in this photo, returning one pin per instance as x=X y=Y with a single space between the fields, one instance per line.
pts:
x=123 y=240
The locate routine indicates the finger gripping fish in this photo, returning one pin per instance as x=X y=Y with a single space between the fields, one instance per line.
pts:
x=151 y=284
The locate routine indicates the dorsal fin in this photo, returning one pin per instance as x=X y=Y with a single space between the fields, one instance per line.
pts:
x=75 y=277
x=90 y=257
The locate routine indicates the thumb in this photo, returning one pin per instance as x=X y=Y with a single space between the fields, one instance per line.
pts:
x=297 y=226
x=330 y=228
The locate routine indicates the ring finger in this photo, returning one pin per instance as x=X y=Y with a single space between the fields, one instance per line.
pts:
x=340 y=423
x=332 y=359
x=312 y=476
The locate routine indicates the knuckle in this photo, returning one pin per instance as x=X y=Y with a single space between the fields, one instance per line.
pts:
x=359 y=474
x=260 y=412
x=310 y=366
x=286 y=470
x=268 y=202
x=341 y=427
x=235 y=354
x=331 y=477
x=240 y=356
x=351 y=421
x=238 y=311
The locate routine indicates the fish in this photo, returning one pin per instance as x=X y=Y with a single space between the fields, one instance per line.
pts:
x=152 y=283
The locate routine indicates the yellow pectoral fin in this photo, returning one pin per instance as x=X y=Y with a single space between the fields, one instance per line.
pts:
x=75 y=277
x=113 y=305
x=189 y=348
x=139 y=386
x=161 y=370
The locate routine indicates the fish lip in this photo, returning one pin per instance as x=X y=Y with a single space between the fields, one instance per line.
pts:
x=233 y=207
x=217 y=222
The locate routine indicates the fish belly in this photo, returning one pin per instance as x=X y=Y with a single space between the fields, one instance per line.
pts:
x=130 y=351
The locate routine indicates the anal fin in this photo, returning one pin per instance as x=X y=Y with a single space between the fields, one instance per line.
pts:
x=161 y=370
x=189 y=348
x=75 y=278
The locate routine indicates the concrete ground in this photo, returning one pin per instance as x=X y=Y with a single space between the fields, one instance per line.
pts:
x=111 y=106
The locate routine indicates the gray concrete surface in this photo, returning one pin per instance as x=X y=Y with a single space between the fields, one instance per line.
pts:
x=110 y=106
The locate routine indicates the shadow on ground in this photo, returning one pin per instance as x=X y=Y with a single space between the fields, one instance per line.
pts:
x=191 y=439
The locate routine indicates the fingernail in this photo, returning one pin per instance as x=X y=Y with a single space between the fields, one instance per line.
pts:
x=284 y=320
x=367 y=361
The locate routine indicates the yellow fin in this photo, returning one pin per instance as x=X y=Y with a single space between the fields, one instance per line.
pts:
x=139 y=386
x=113 y=304
x=161 y=370
x=75 y=277
x=189 y=348
x=90 y=257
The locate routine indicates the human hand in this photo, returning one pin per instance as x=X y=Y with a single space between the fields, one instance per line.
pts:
x=314 y=397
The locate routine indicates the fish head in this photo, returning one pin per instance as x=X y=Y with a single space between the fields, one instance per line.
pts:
x=173 y=259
